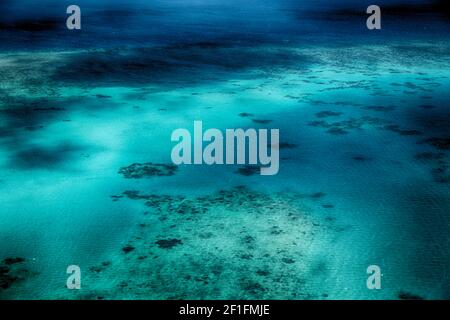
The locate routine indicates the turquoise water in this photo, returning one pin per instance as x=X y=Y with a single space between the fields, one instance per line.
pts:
x=363 y=179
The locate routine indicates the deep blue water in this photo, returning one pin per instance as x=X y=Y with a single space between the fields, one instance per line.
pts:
x=30 y=25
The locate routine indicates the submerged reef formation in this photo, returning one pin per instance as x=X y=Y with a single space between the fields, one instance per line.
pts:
x=169 y=243
x=409 y=296
x=232 y=244
x=11 y=271
x=380 y=108
x=144 y=170
x=326 y=114
x=439 y=143
x=440 y=165
x=439 y=160
x=262 y=121
x=287 y=145
x=351 y=124
x=249 y=170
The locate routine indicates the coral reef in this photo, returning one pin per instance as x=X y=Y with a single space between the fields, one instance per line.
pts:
x=326 y=114
x=228 y=244
x=249 y=170
x=262 y=121
x=144 y=170
x=168 y=243
x=409 y=296
x=439 y=143
x=11 y=271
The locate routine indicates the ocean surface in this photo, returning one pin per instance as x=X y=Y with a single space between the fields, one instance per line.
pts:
x=86 y=176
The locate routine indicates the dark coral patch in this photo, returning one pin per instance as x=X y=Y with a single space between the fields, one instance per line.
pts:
x=102 y=266
x=441 y=173
x=102 y=96
x=381 y=108
x=441 y=169
x=439 y=143
x=32 y=25
x=261 y=121
x=262 y=273
x=286 y=145
x=360 y=158
x=252 y=287
x=6 y=279
x=9 y=272
x=143 y=170
x=10 y=261
x=403 y=132
x=429 y=156
x=337 y=131
x=409 y=296
x=326 y=114
x=427 y=106
x=168 y=243
x=318 y=195
x=351 y=124
x=128 y=249
x=288 y=260
x=249 y=170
